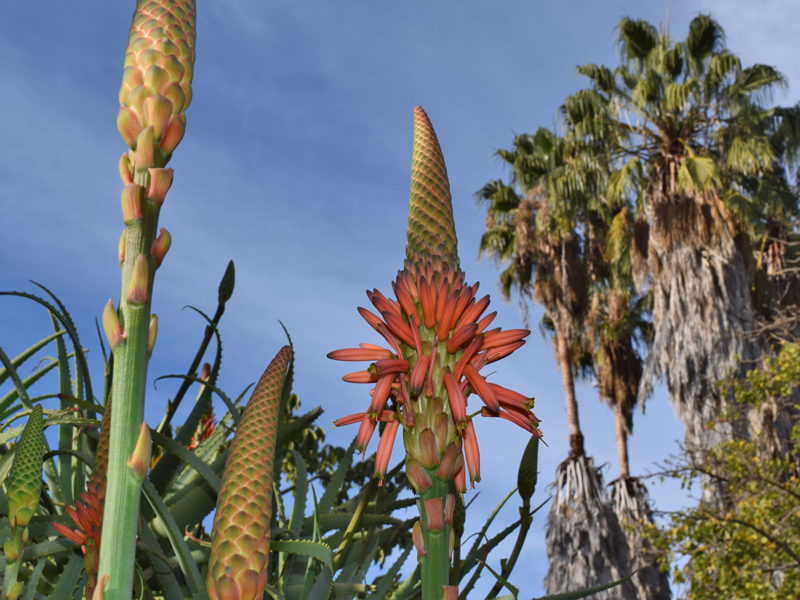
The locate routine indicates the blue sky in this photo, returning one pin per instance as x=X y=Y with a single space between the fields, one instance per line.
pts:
x=296 y=165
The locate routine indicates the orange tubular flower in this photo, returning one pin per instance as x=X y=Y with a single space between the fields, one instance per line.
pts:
x=437 y=340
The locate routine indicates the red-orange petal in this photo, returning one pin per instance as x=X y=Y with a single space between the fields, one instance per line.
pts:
x=398 y=327
x=418 y=374
x=480 y=387
x=495 y=354
x=385 y=445
x=472 y=453
x=484 y=322
x=458 y=404
x=510 y=397
x=365 y=432
x=360 y=377
x=381 y=393
x=461 y=336
x=495 y=339
x=473 y=311
x=355 y=354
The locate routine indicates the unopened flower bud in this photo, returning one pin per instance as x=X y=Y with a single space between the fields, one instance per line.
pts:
x=174 y=133
x=125 y=169
x=160 y=182
x=129 y=125
x=152 y=332
x=139 y=283
x=418 y=476
x=145 y=146
x=205 y=371
x=429 y=450
x=112 y=326
x=139 y=461
x=225 y=290
x=451 y=462
x=160 y=247
x=159 y=111
x=418 y=539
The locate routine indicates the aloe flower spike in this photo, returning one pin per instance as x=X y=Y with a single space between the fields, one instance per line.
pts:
x=437 y=347
x=240 y=537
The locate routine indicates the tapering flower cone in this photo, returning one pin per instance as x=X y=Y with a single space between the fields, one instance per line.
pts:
x=438 y=342
x=431 y=229
x=24 y=484
x=156 y=83
x=240 y=538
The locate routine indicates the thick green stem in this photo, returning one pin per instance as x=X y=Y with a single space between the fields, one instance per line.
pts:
x=123 y=491
x=11 y=587
x=435 y=562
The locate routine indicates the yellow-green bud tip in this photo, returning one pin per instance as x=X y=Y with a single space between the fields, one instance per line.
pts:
x=139 y=461
x=112 y=326
x=152 y=332
x=160 y=246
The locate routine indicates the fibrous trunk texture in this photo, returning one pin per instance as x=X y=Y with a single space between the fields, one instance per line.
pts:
x=702 y=312
x=585 y=543
x=631 y=505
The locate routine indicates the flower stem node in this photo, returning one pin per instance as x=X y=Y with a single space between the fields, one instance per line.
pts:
x=131 y=204
x=139 y=461
x=138 y=292
x=112 y=326
x=434 y=514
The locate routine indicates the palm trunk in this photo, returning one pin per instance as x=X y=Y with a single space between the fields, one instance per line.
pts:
x=622 y=443
x=571 y=404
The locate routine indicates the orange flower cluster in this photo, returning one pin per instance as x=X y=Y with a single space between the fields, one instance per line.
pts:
x=439 y=340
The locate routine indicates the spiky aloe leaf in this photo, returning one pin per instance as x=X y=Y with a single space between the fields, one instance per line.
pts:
x=240 y=537
x=431 y=230
x=25 y=479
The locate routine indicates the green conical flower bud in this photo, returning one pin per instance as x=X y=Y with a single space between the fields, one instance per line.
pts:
x=431 y=229
x=240 y=538
x=25 y=480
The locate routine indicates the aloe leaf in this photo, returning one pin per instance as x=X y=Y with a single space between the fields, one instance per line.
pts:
x=482 y=535
x=188 y=457
x=586 y=592
x=64 y=432
x=409 y=587
x=387 y=579
x=33 y=581
x=65 y=320
x=335 y=483
x=301 y=489
x=163 y=570
x=182 y=553
x=66 y=588
x=26 y=354
x=316 y=550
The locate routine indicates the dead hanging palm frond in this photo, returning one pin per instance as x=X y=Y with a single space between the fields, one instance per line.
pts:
x=702 y=311
x=585 y=542
x=630 y=503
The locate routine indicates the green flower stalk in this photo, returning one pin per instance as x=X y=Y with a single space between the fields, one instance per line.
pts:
x=241 y=534
x=23 y=489
x=155 y=92
x=438 y=341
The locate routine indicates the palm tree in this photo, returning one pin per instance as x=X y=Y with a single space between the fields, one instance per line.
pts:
x=685 y=128
x=532 y=224
x=616 y=325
